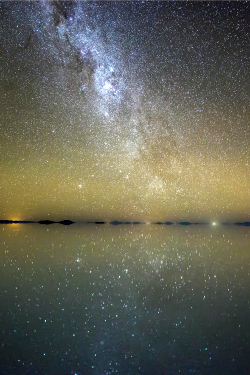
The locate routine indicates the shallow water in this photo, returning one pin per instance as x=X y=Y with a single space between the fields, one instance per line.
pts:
x=140 y=299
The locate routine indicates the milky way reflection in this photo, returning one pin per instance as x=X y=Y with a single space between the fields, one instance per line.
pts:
x=128 y=300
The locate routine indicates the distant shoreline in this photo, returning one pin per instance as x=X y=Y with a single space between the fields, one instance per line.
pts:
x=69 y=222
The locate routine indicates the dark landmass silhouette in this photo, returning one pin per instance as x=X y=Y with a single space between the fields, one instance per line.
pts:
x=165 y=223
x=116 y=222
x=66 y=222
x=96 y=222
x=46 y=222
x=246 y=224
x=16 y=222
x=63 y=222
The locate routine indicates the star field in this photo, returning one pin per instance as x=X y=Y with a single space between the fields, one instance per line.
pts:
x=124 y=110
x=130 y=300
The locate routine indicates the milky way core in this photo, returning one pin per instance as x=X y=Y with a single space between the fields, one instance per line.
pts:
x=125 y=110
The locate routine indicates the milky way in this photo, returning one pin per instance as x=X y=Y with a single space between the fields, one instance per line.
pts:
x=125 y=110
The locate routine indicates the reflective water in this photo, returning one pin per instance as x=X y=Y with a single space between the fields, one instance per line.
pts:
x=138 y=299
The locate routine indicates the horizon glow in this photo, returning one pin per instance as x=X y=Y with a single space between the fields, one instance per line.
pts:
x=102 y=122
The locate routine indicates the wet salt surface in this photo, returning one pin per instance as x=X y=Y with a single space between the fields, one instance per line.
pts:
x=126 y=300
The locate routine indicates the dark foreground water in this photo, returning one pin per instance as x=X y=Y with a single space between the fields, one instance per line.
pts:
x=126 y=300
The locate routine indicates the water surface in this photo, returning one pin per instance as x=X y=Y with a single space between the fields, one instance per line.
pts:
x=140 y=299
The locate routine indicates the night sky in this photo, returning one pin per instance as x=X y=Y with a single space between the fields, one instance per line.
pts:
x=125 y=110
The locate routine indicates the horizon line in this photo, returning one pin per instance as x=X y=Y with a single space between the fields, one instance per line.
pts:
x=116 y=222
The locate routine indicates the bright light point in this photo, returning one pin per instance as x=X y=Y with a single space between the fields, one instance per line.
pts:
x=107 y=86
x=214 y=223
x=80 y=186
x=111 y=69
